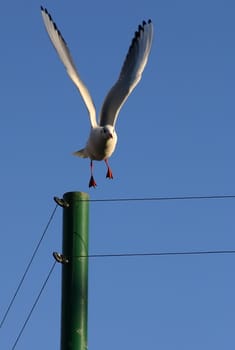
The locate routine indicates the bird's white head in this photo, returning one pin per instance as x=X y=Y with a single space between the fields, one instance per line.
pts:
x=108 y=132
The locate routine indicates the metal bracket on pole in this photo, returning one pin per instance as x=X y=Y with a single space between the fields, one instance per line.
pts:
x=60 y=258
x=61 y=202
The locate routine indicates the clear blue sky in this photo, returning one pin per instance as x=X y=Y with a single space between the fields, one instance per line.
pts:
x=176 y=138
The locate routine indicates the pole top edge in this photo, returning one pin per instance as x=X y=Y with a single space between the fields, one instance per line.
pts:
x=76 y=195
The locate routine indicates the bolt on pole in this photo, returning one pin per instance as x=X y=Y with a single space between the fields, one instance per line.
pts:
x=75 y=272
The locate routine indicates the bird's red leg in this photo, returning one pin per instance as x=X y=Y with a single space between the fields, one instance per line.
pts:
x=109 y=174
x=92 y=182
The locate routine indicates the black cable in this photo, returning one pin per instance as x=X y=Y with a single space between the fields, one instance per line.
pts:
x=162 y=198
x=28 y=266
x=119 y=255
x=34 y=305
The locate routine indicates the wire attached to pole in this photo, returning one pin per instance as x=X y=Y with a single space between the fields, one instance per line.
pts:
x=132 y=255
x=152 y=199
x=28 y=267
x=34 y=305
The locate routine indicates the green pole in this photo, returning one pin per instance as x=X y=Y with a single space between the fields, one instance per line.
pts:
x=75 y=272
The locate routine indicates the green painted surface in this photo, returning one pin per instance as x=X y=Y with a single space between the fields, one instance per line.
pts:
x=75 y=273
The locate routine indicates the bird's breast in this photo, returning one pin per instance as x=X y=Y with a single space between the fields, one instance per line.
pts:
x=99 y=148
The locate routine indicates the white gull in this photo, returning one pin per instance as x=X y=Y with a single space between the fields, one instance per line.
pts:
x=103 y=138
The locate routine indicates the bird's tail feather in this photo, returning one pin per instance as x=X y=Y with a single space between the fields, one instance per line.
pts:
x=81 y=153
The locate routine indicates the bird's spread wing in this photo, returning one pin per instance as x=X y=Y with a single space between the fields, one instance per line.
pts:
x=65 y=56
x=130 y=75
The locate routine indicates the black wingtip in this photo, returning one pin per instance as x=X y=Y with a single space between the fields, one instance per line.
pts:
x=138 y=33
x=144 y=22
x=43 y=9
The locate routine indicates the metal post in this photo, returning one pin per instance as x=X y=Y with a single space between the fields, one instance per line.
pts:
x=75 y=272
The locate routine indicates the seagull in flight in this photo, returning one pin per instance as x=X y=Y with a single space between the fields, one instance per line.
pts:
x=102 y=140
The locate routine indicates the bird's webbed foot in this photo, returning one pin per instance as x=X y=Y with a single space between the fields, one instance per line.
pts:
x=109 y=174
x=92 y=182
